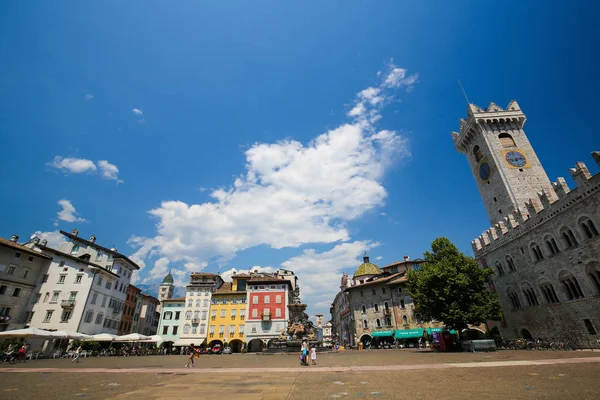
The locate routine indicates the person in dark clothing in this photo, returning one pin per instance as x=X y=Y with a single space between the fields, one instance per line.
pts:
x=191 y=356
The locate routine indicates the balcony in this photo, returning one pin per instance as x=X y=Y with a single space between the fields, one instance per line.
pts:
x=266 y=317
x=67 y=304
x=195 y=321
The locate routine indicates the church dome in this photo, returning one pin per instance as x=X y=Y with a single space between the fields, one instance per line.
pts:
x=366 y=268
x=168 y=279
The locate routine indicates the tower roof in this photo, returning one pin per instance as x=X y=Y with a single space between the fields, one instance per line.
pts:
x=366 y=268
x=168 y=279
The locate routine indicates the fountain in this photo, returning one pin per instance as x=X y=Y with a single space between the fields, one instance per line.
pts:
x=299 y=328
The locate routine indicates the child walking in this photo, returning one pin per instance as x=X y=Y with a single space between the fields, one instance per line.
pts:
x=313 y=355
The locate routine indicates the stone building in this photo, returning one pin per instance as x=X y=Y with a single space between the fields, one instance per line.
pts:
x=543 y=244
x=375 y=306
x=20 y=271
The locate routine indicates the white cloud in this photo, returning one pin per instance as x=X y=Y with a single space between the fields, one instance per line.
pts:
x=396 y=78
x=72 y=165
x=379 y=258
x=383 y=214
x=359 y=109
x=290 y=194
x=82 y=165
x=319 y=274
x=89 y=96
x=226 y=275
x=68 y=212
x=109 y=171
x=159 y=271
x=55 y=238
x=137 y=111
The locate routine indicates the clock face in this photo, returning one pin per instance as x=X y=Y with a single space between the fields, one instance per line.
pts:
x=515 y=158
x=484 y=171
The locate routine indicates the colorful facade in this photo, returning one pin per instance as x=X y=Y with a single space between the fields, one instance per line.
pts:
x=228 y=314
x=172 y=314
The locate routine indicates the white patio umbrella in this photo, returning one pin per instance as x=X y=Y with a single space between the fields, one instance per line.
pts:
x=103 y=337
x=156 y=339
x=132 y=337
x=28 y=332
x=72 y=335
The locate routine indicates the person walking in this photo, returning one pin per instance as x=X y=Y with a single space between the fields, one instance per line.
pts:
x=191 y=356
x=313 y=355
x=76 y=355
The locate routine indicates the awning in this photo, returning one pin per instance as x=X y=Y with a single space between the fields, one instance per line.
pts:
x=382 y=333
x=431 y=330
x=409 y=333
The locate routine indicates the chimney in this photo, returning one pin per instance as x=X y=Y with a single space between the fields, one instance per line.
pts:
x=75 y=232
x=406 y=258
x=14 y=238
x=44 y=242
x=36 y=240
x=93 y=238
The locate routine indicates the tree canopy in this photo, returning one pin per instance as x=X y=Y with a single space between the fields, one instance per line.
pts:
x=452 y=288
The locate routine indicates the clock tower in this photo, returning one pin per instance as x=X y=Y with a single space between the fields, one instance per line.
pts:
x=506 y=169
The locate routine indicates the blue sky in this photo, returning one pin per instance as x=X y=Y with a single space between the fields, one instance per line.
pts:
x=212 y=115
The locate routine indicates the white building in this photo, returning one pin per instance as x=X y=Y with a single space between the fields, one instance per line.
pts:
x=83 y=289
x=197 y=306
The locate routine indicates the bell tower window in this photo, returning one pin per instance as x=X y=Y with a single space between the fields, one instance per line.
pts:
x=506 y=140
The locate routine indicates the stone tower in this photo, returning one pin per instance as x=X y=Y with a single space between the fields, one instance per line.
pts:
x=506 y=169
x=166 y=290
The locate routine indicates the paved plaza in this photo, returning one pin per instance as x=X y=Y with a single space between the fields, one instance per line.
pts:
x=384 y=374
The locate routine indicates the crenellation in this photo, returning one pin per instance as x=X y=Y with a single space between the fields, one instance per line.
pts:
x=513 y=106
x=596 y=156
x=484 y=239
x=561 y=188
x=580 y=174
x=501 y=229
x=533 y=207
x=510 y=222
x=476 y=246
x=491 y=232
x=545 y=199
x=492 y=107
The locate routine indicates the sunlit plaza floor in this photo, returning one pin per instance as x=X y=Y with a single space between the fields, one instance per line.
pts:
x=385 y=374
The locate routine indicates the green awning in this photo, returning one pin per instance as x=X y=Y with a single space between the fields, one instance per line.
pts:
x=409 y=333
x=382 y=333
x=431 y=330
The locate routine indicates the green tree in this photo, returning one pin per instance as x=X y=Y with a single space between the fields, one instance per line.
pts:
x=451 y=287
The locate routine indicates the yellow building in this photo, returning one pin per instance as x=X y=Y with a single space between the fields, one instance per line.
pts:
x=228 y=314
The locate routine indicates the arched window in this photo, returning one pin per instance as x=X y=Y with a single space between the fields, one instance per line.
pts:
x=499 y=268
x=530 y=295
x=376 y=307
x=402 y=305
x=510 y=263
x=75 y=249
x=570 y=286
x=593 y=272
x=536 y=253
x=588 y=227
x=365 y=324
x=551 y=245
x=404 y=320
x=549 y=293
x=364 y=309
x=514 y=298
x=186 y=329
x=378 y=322
x=386 y=307
x=568 y=237
x=477 y=153
x=506 y=140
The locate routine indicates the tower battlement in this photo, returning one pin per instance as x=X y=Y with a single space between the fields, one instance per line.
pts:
x=549 y=204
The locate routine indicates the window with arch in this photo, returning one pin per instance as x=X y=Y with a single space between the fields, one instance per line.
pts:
x=571 y=286
x=551 y=245
x=378 y=322
x=388 y=321
x=536 y=253
x=386 y=306
x=477 y=153
x=593 y=272
x=404 y=320
x=506 y=140
x=549 y=293
x=568 y=237
x=514 y=298
x=364 y=309
x=510 y=263
x=530 y=295
x=499 y=268
x=365 y=324
x=376 y=307
x=402 y=305
x=588 y=227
